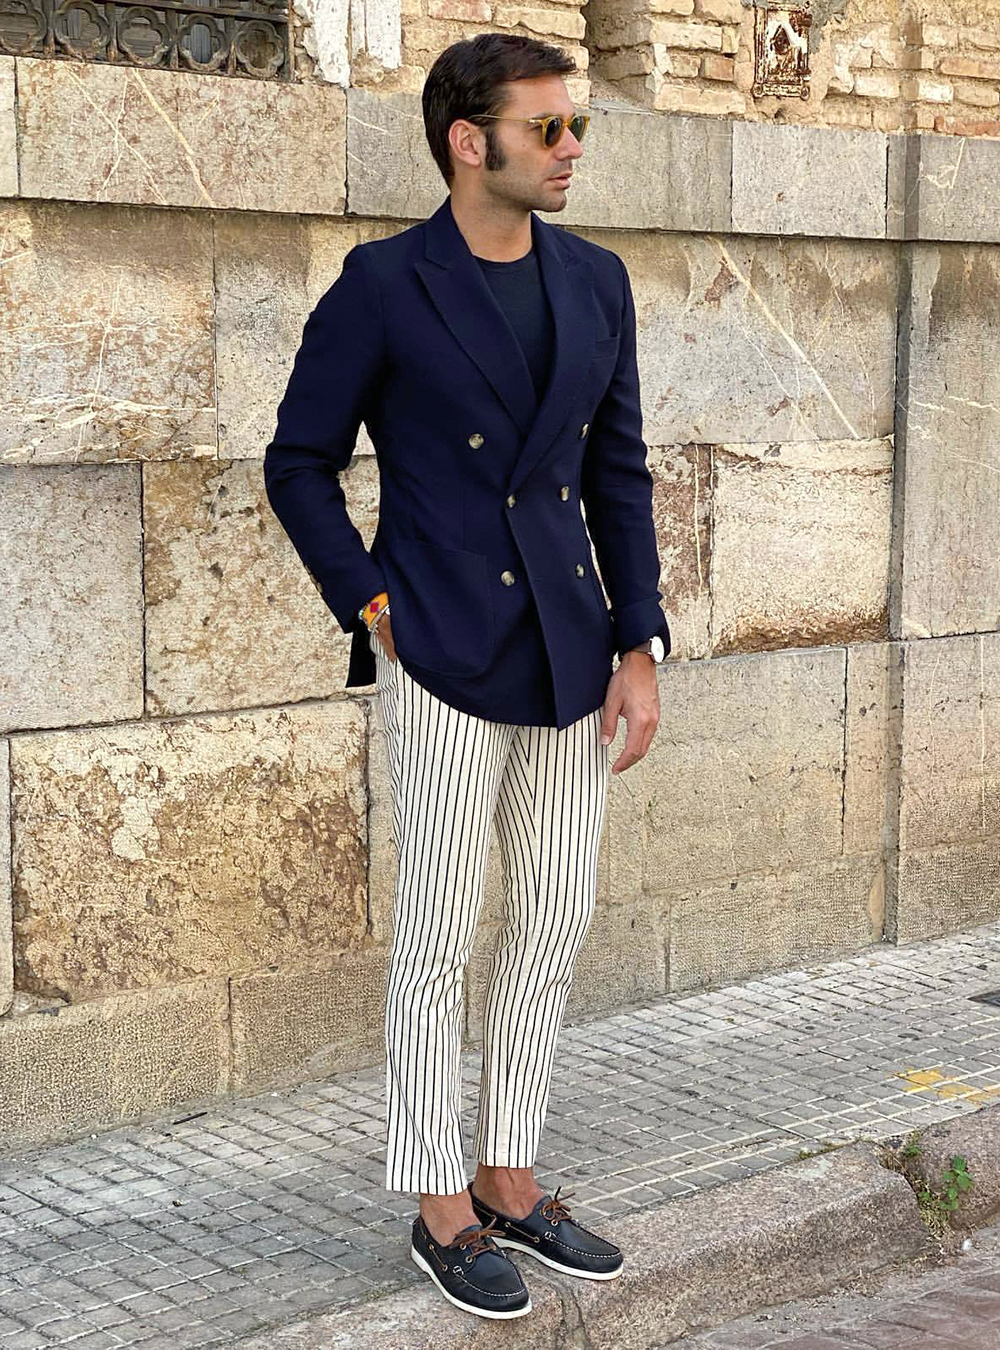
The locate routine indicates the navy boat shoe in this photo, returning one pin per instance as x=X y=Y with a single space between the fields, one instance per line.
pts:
x=551 y=1236
x=471 y=1271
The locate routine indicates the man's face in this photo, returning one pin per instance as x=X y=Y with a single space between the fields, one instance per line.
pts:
x=525 y=170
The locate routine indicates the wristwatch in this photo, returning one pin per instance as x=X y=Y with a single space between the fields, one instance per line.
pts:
x=653 y=646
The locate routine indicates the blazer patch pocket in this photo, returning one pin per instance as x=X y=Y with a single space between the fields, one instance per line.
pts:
x=606 y=346
x=440 y=607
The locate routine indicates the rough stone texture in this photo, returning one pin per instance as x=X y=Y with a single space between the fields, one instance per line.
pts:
x=950 y=741
x=974 y=1136
x=638 y=171
x=96 y=1064
x=943 y=187
x=106 y=317
x=294 y=1025
x=724 y=933
x=176 y=138
x=682 y=513
x=270 y=271
x=163 y=851
x=758 y=340
x=744 y=774
x=873 y=723
x=6 y=921
x=232 y=617
x=808 y=180
x=8 y=133
x=800 y=547
x=949 y=820
x=71 y=617
x=949 y=440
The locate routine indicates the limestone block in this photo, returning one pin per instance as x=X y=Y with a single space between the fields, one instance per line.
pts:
x=291 y=1025
x=162 y=851
x=950 y=789
x=69 y=1071
x=8 y=133
x=744 y=773
x=269 y=273
x=947 y=889
x=800 y=546
x=942 y=187
x=390 y=169
x=682 y=513
x=71 y=618
x=873 y=724
x=232 y=617
x=6 y=921
x=90 y=131
x=725 y=933
x=808 y=180
x=751 y=339
x=106 y=319
x=950 y=400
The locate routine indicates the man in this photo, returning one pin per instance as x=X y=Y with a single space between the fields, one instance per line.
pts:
x=492 y=358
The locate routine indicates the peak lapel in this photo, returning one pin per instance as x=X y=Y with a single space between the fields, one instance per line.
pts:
x=464 y=300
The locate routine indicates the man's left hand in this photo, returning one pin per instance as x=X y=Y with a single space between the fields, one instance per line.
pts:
x=632 y=692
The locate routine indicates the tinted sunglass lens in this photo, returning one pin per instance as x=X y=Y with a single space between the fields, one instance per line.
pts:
x=578 y=126
x=553 y=130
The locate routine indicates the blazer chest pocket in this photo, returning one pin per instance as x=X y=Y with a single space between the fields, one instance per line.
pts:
x=440 y=607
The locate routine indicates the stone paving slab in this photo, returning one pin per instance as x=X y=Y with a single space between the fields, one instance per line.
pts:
x=207 y=1226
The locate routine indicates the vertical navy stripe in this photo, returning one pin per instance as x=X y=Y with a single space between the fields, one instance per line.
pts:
x=454 y=777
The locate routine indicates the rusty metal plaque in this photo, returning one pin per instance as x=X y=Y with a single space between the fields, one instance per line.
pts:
x=781 y=51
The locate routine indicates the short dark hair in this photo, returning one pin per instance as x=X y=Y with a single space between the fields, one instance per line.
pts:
x=467 y=79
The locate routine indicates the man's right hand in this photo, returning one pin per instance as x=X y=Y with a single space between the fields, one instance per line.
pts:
x=383 y=631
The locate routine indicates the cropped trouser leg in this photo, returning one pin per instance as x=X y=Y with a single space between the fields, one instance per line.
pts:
x=453 y=776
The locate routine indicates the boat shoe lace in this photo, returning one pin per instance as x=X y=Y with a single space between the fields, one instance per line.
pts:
x=476 y=1241
x=555 y=1209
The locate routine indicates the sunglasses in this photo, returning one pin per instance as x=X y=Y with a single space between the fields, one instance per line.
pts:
x=552 y=127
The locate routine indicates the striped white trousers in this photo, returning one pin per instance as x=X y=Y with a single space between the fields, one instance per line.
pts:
x=453 y=776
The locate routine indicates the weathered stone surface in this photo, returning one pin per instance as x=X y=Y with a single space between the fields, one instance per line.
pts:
x=390 y=168
x=91 y=1066
x=721 y=934
x=745 y=773
x=176 y=138
x=291 y=1025
x=943 y=187
x=270 y=272
x=71 y=617
x=949 y=442
x=758 y=340
x=6 y=922
x=950 y=789
x=232 y=617
x=873 y=726
x=106 y=319
x=163 y=851
x=682 y=513
x=946 y=889
x=800 y=544
x=8 y=132
x=819 y=181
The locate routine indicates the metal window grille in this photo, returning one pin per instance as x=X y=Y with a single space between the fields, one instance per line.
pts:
x=248 y=38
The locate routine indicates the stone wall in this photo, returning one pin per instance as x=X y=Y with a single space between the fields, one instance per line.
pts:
x=196 y=869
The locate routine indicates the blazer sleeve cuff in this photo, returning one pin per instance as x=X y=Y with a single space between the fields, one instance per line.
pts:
x=636 y=622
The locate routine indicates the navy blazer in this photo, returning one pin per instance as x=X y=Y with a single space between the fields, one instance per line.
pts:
x=481 y=543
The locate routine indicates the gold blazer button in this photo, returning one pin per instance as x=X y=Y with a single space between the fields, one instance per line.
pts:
x=475 y=440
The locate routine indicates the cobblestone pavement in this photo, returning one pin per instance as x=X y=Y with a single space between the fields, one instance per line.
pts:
x=197 y=1229
x=955 y=1304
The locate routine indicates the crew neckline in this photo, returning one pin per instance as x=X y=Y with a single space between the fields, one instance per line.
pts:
x=506 y=262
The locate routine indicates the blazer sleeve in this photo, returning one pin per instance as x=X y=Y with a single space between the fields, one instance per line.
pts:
x=337 y=370
x=617 y=491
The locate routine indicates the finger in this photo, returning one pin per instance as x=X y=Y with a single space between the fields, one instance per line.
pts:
x=609 y=719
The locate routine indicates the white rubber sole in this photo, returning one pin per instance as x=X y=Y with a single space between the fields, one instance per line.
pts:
x=479 y=1312
x=556 y=1265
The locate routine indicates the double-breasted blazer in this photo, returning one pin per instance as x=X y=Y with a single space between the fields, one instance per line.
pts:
x=481 y=542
